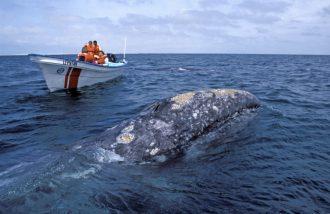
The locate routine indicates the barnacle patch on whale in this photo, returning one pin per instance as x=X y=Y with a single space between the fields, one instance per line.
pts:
x=125 y=138
x=226 y=92
x=128 y=128
x=182 y=100
x=154 y=151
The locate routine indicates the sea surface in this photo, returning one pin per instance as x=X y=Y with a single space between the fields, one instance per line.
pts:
x=276 y=162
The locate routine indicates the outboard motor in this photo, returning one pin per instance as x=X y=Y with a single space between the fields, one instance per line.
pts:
x=112 y=57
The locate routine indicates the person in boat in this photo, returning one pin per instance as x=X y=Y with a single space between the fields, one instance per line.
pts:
x=110 y=58
x=87 y=52
x=101 y=57
x=95 y=61
x=97 y=48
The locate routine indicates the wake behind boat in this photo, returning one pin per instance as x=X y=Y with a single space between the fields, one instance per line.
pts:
x=70 y=74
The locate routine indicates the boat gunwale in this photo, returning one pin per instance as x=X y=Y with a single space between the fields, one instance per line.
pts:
x=103 y=68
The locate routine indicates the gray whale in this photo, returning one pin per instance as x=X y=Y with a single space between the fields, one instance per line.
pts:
x=167 y=127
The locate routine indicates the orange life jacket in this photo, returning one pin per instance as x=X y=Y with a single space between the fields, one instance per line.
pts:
x=97 y=49
x=90 y=48
x=89 y=57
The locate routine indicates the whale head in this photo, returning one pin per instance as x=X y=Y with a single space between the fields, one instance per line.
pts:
x=169 y=126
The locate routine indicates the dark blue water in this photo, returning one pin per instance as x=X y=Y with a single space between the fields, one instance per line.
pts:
x=278 y=162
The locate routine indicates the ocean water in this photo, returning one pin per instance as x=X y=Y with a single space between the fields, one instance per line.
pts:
x=278 y=161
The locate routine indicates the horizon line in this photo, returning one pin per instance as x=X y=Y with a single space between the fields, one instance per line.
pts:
x=202 y=53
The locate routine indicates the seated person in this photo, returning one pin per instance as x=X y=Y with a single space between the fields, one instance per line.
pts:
x=101 y=57
x=87 y=52
x=97 y=48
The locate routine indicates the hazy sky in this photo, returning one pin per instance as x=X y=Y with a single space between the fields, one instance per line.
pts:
x=166 y=26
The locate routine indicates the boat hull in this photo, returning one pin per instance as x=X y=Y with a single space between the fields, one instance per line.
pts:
x=63 y=74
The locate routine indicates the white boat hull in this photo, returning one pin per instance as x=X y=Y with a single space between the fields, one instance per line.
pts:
x=63 y=74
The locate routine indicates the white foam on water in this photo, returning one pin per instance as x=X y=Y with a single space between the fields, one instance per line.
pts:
x=13 y=168
x=82 y=174
x=107 y=156
x=182 y=69
x=77 y=147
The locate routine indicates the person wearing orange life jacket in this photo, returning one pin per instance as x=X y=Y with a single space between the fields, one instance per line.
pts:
x=97 y=48
x=99 y=55
x=90 y=47
x=87 y=52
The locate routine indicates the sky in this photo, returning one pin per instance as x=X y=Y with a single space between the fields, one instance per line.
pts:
x=166 y=26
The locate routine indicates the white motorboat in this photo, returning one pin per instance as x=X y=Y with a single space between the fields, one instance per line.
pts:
x=70 y=74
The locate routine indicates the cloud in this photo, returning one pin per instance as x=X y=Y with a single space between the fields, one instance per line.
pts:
x=239 y=26
x=261 y=6
x=212 y=3
x=127 y=2
x=326 y=11
x=11 y=5
x=207 y=23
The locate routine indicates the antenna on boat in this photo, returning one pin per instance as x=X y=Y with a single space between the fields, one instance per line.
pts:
x=124 y=60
